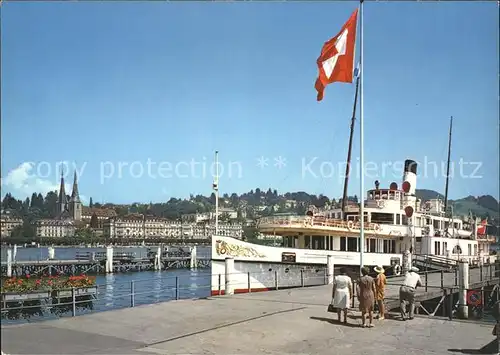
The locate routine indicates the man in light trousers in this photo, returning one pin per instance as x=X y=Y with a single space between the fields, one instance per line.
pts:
x=407 y=293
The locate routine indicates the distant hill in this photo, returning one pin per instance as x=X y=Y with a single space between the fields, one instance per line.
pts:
x=426 y=195
x=482 y=206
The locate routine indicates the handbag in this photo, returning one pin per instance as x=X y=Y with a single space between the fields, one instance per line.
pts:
x=331 y=308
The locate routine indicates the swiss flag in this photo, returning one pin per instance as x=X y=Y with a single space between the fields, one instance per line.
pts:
x=481 y=230
x=336 y=61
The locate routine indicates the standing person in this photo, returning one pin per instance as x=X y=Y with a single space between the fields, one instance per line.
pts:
x=407 y=292
x=380 y=283
x=366 y=297
x=342 y=293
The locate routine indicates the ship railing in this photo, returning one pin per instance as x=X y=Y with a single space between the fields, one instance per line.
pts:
x=45 y=304
x=308 y=221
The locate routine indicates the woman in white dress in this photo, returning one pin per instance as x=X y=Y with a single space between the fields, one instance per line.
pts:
x=342 y=293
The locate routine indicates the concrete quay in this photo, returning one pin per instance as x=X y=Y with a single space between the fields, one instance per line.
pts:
x=292 y=321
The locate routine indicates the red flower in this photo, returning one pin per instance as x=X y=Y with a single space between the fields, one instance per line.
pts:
x=27 y=276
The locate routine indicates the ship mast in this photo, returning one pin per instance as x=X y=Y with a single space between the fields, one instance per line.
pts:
x=349 y=150
x=448 y=168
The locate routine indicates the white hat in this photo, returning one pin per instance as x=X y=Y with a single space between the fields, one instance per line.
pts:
x=379 y=269
x=414 y=269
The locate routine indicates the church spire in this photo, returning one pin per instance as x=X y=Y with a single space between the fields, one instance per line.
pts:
x=75 y=196
x=62 y=201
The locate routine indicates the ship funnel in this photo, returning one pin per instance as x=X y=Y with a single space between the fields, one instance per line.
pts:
x=410 y=177
x=377 y=184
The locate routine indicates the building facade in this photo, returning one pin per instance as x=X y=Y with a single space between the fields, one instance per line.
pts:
x=8 y=223
x=138 y=226
x=69 y=215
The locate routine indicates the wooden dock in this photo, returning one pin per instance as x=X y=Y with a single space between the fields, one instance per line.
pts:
x=441 y=284
x=97 y=266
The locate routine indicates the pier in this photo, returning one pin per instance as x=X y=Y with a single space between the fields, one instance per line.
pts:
x=279 y=322
x=109 y=261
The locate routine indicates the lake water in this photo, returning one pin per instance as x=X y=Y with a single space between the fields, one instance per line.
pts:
x=114 y=290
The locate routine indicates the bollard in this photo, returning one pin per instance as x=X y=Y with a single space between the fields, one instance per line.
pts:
x=249 y=282
x=450 y=301
x=442 y=278
x=51 y=252
x=132 y=293
x=276 y=280
x=229 y=273
x=463 y=284
x=330 y=269
x=9 y=263
x=158 y=259
x=73 y=298
x=302 y=278
x=177 y=287
x=109 y=259
x=194 y=260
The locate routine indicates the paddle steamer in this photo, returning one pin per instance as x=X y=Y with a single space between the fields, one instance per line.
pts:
x=397 y=225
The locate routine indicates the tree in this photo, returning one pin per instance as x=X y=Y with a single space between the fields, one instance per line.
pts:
x=91 y=203
x=94 y=221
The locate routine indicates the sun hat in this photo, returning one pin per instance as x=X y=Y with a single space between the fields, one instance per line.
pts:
x=379 y=269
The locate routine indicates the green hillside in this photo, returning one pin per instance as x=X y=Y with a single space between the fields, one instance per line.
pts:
x=482 y=206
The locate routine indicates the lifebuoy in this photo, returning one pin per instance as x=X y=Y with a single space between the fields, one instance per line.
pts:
x=376 y=228
x=397 y=270
x=349 y=225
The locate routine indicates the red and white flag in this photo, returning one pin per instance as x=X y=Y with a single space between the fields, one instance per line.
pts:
x=336 y=62
x=481 y=230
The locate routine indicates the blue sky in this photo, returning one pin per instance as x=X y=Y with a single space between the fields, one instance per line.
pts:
x=96 y=84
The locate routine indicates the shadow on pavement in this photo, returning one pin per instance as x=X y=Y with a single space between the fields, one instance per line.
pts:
x=336 y=322
x=490 y=348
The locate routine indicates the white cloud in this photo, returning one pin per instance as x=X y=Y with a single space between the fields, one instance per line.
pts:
x=22 y=181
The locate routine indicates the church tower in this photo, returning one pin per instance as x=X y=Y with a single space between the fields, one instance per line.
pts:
x=75 y=205
x=62 y=201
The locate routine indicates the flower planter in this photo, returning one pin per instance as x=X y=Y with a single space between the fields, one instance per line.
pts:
x=88 y=291
x=17 y=297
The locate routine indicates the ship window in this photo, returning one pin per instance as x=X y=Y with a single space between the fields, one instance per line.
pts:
x=343 y=244
x=382 y=218
x=405 y=220
x=389 y=246
x=445 y=248
x=307 y=242
x=470 y=249
x=437 y=248
x=352 y=244
x=398 y=219
x=475 y=249
x=436 y=224
x=371 y=245
x=318 y=242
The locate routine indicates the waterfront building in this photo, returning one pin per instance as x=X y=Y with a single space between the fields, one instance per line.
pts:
x=229 y=213
x=69 y=214
x=138 y=226
x=101 y=216
x=8 y=223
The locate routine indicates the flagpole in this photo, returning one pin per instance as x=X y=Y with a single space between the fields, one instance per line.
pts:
x=216 y=188
x=361 y=142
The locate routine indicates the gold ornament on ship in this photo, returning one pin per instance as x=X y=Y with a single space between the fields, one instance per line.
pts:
x=224 y=248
